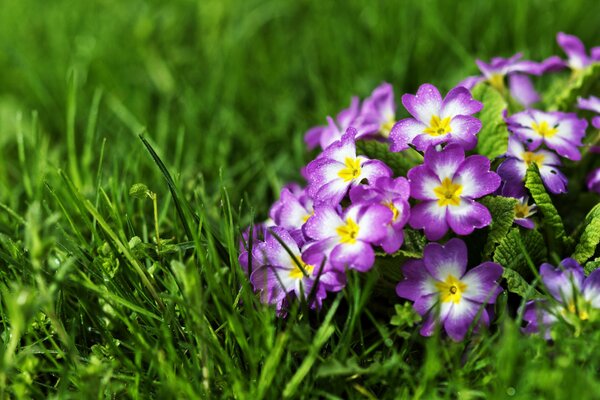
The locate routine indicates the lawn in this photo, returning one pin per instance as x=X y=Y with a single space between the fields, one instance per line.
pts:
x=138 y=139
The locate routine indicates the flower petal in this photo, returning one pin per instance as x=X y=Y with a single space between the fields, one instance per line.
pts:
x=468 y=216
x=476 y=178
x=482 y=285
x=417 y=281
x=425 y=104
x=429 y=216
x=459 y=101
x=449 y=259
x=404 y=132
x=359 y=256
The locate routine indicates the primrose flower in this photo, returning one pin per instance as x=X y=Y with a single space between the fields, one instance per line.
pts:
x=524 y=210
x=518 y=159
x=378 y=112
x=334 y=130
x=291 y=211
x=516 y=70
x=443 y=291
x=574 y=297
x=436 y=121
x=392 y=193
x=593 y=181
x=339 y=168
x=561 y=132
x=592 y=104
x=346 y=239
x=577 y=57
x=447 y=183
x=251 y=237
x=282 y=273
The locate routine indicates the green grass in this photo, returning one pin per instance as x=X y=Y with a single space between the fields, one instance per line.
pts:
x=92 y=306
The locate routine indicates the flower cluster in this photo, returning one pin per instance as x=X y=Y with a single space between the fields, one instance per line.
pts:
x=435 y=181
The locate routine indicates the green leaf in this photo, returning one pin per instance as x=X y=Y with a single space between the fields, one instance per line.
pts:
x=515 y=283
x=400 y=163
x=579 y=84
x=492 y=140
x=588 y=242
x=503 y=215
x=551 y=220
x=591 y=266
x=521 y=250
x=139 y=191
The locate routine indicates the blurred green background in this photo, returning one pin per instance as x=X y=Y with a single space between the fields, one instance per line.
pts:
x=235 y=84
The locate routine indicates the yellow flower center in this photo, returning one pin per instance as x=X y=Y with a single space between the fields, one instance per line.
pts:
x=544 y=129
x=307 y=216
x=451 y=289
x=386 y=127
x=530 y=158
x=448 y=193
x=579 y=311
x=296 y=272
x=352 y=170
x=392 y=207
x=522 y=211
x=349 y=232
x=438 y=127
x=497 y=81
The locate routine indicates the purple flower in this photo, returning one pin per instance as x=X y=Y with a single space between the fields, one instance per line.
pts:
x=592 y=104
x=339 y=168
x=334 y=130
x=518 y=159
x=282 y=273
x=593 y=181
x=251 y=237
x=392 y=193
x=524 y=210
x=562 y=132
x=347 y=239
x=517 y=70
x=447 y=183
x=573 y=296
x=292 y=210
x=576 y=53
x=436 y=121
x=378 y=112
x=443 y=293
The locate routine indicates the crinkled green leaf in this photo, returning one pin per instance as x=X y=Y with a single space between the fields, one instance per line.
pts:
x=400 y=163
x=589 y=239
x=492 y=140
x=551 y=219
x=578 y=85
x=591 y=266
x=515 y=283
x=503 y=215
x=519 y=247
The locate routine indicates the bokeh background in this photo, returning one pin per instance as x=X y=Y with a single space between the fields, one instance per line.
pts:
x=226 y=89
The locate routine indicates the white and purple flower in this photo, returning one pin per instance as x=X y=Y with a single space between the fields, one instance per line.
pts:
x=338 y=168
x=516 y=70
x=593 y=181
x=378 y=112
x=561 y=132
x=447 y=183
x=443 y=291
x=518 y=159
x=577 y=56
x=436 y=120
x=574 y=297
x=592 y=104
x=524 y=210
x=346 y=239
x=292 y=210
x=281 y=272
x=324 y=135
x=394 y=194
